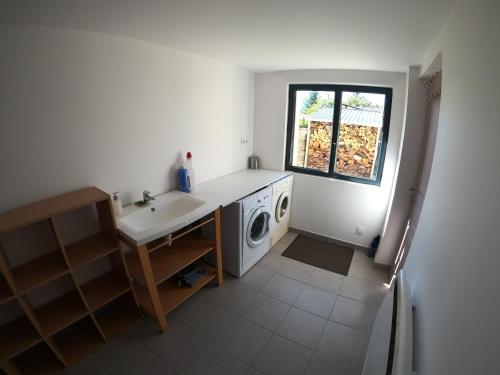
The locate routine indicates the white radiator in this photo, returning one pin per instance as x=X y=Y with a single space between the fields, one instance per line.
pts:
x=390 y=350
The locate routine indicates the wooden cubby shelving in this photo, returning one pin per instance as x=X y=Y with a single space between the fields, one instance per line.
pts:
x=55 y=334
x=153 y=266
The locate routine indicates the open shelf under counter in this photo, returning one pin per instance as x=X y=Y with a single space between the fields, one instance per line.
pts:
x=171 y=294
x=118 y=317
x=168 y=260
x=39 y=271
x=90 y=249
x=105 y=288
x=21 y=336
x=60 y=312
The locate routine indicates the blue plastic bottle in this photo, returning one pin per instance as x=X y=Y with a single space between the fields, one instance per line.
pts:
x=183 y=180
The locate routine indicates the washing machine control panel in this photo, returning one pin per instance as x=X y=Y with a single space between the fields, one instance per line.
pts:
x=261 y=198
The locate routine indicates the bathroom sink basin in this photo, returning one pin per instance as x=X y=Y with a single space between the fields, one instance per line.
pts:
x=166 y=214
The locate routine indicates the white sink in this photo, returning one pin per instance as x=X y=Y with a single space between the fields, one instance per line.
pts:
x=166 y=214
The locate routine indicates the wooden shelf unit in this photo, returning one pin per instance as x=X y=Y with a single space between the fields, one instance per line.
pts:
x=64 y=330
x=6 y=294
x=38 y=360
x=153 y=266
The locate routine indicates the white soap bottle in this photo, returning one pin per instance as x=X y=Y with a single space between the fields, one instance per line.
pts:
x=189 y=166
x=117 y=204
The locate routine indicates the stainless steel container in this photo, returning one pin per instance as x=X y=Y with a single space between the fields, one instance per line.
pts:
x=253 y=162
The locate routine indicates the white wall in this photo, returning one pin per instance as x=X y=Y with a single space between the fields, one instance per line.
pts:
x=453 y=265
x=324 y=206
x=412 y=138
x=81 y=108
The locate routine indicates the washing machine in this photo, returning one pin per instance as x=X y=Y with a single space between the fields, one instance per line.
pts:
x=281 y=203
x=245 y=230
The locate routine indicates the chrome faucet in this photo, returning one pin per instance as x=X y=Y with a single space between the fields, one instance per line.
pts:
x=147 y=197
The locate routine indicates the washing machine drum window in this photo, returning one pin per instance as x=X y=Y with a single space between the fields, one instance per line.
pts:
x=282 y=206
x=258 y=227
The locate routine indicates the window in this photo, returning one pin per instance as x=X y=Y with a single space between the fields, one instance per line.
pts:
x=338 y=131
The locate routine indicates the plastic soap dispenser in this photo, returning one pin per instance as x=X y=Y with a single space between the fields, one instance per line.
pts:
x=117 y=204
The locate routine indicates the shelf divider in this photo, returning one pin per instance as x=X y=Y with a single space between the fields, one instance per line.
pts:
x=21 y=336
x=39 y=271
x=60 y=312
x=90 y=249
x=122 y=315
x=105 y=289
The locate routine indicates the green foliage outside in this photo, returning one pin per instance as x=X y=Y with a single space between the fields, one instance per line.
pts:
x=358 y=101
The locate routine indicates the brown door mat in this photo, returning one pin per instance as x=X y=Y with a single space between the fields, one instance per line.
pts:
x=321 y=254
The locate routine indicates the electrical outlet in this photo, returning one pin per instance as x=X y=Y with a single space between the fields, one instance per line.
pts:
x=244 y=141
x=360 y=230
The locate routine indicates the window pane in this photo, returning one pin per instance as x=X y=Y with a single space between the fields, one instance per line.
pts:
x=360 y=131
x=313 y=129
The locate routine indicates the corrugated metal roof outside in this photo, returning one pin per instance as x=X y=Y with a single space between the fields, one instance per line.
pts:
x=352 y=116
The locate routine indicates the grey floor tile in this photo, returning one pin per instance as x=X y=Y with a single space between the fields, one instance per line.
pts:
x=214 y=361
x=207 y=318
x=90 y=365
x=322 y=364
x=252 y=371
x=354 y=313
x=302 y=327
x=283 y=357
x=295 y=270
x=283 y=243
x=283 y=288
x=113 y=353
x=243 y=339
x=232 y=295
x=257 y=277
x=316 y=301
x=365 y=291
x=178 y=346
x=362 y=267
x=265 y=311
x=326 y=280
x=144 y=362
x=271 y=261
x=345 y=344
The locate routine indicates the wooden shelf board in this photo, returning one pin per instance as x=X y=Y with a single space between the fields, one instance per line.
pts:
x=169 y=260
x=50 y=207
x=5 y=292
x=171 y=295
x=118 y=318
x=90 y=249
x=79 y=343
x=21 y=336
x=60 y=313
x=105 y=288
x=39 y=271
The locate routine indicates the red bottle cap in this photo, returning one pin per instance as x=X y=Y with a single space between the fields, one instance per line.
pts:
x=189 y=155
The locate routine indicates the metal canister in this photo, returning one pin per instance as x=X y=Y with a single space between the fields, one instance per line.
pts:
x=253 y=162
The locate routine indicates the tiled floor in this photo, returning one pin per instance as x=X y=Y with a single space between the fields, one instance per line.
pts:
x=282 y=317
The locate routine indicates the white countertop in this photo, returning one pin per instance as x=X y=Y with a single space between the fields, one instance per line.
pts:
x=232 y=187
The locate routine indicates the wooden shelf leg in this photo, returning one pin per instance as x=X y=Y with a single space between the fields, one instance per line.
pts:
x=151 y=285
x=218 y=248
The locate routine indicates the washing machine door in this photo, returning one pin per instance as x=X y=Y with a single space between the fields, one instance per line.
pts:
x=282 y=207
x=258 y=227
